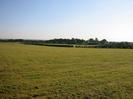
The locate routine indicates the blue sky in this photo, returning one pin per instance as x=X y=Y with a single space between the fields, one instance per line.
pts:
x=47 y=19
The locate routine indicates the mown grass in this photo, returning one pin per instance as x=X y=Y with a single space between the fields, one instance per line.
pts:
x=29 y=71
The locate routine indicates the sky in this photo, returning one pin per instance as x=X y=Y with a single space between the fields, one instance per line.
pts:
x=48 y=19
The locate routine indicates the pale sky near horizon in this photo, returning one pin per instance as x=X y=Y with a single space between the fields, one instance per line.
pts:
x=47 y=19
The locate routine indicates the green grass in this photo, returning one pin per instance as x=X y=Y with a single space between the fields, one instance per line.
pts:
x=29 y=71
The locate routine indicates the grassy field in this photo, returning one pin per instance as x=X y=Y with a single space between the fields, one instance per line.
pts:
x=29 y=71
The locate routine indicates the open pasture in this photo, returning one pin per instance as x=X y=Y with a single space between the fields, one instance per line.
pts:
x=30 y=71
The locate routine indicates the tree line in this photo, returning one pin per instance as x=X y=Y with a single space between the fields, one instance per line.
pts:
x=90 y=41
x=74 y=41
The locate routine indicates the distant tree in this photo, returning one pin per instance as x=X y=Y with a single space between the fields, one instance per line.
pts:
x=104 y=41
x=96 y=41
x=91 y=41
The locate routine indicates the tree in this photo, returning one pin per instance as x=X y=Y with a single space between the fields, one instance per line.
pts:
x=104 y=41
